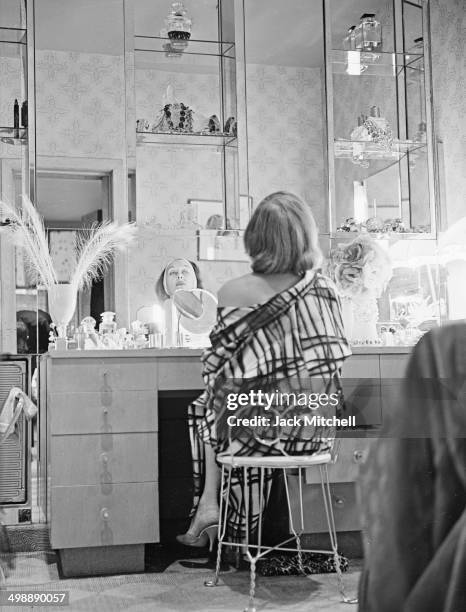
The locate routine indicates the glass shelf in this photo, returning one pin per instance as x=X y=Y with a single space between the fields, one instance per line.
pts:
x=372 y=150
x=13 y=136
x=16 y=36
x=188 y=138
x=157 y=44
x=357 y=63
x=373 y=157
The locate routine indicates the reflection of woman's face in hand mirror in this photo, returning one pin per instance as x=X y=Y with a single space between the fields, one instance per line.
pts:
x=179 y=274
x=188 y=304
x=197 y=309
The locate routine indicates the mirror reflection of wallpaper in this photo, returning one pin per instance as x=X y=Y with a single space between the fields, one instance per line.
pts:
x=62 y=245
x=449 y=78
x=9 y=91
x=80 y=104
x=285 y=134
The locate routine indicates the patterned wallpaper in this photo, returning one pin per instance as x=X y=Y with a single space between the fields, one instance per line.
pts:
x=80 y=113
x=285 y=152
x=80 y=104
x=9 y=90
x=448 y=24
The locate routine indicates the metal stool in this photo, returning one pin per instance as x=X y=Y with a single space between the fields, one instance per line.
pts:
x=229 y=463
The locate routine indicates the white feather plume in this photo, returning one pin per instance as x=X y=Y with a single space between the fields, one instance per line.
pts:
x=96 y=248
x=26 y=230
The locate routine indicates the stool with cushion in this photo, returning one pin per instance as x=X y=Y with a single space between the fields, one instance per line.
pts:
x=229 y=463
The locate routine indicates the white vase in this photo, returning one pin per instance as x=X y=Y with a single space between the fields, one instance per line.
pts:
x=347 y=316
x=62 y=302
x=365 y=317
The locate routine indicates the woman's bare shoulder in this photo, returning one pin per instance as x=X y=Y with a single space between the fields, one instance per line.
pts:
x=238 y=291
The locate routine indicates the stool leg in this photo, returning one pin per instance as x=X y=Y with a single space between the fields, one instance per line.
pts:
x=222 y=521
x=297 y=536
x=253 y=559
x=333 y=532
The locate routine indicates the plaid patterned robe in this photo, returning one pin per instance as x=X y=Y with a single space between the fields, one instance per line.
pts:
x=295 y=338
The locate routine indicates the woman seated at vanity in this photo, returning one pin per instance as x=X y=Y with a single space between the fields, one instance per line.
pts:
x=279 y=323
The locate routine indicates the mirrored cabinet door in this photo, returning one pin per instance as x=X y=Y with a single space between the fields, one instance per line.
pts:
x=379 y=118
x=17 y=161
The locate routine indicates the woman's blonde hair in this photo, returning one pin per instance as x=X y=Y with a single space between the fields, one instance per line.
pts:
x=281 y=236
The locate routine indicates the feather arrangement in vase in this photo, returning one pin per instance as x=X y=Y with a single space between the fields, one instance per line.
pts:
x=95 y=250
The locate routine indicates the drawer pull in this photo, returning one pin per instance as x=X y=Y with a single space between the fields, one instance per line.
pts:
x=105 y=514
x=339 y=501
x=104 y=458
x=358 y=456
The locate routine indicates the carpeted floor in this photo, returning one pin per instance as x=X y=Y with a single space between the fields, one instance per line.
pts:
x=179 y=588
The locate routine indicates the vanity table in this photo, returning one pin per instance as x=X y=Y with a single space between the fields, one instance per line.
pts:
x=102 y=451
x=102 y=440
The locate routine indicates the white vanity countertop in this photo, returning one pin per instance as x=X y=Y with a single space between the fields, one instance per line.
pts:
x=195 y=354
x=152 y=352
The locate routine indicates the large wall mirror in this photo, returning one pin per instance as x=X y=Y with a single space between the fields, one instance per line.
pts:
x=81 y=169
x=285 y=100
x=103 y=66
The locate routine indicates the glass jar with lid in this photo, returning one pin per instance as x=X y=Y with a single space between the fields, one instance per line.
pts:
x=178 y=23
x=368 y=33
x=108 y=324
x=349 y=42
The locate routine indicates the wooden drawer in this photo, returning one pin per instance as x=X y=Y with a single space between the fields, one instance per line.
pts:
x=352 y=453
x=345 y=507
x=114 y=374
x=361 y=366
x=84 y=516
x=180 y=373
x=104 y=460
x=393 y=366
x=107 y=412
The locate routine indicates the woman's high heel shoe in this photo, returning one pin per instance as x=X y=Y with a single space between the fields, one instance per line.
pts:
x=207 y=534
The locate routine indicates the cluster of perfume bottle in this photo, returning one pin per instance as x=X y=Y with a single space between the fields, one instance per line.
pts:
x=106 y=337
x=366 y=36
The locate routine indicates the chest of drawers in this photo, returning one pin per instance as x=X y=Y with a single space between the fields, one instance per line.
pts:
x=102 y=429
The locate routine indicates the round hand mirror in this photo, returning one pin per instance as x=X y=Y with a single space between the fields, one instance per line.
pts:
x=197 y=309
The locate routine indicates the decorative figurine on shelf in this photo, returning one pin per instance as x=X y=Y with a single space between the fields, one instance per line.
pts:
x=175 y=116
x=368 y=34
x=361 y=269
x=374 y=225
x=231 y=126
x=350 y=225
x=214 y=124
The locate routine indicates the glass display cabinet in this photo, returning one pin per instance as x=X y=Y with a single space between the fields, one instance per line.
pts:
x=17 y=153
x=379 y=116
x=184 y=112
x=381 y=173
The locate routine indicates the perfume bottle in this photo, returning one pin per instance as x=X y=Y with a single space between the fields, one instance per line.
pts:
x=108 y=324
x=377 y=119
x=418 y=46
x=24 y=114
x=178 y=24
x=349 y=42
x=368 y=33
x=16 y=119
